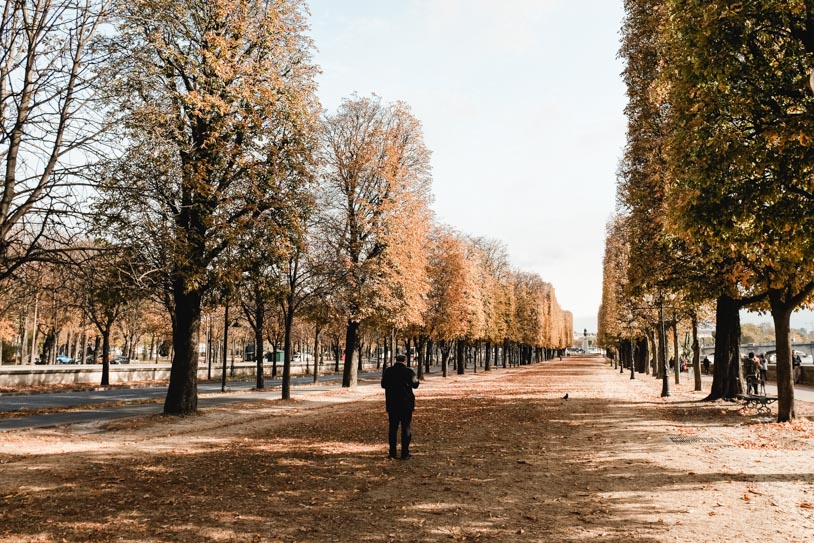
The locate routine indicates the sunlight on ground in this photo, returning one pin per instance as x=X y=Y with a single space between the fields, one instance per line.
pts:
x=324 y=447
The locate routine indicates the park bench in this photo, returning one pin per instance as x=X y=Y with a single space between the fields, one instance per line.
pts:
x=758 y=403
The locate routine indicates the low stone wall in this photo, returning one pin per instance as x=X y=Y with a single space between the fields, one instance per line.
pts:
x=807 y=379
x=18 y=376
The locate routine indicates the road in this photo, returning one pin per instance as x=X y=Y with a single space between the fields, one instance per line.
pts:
x=209 y=396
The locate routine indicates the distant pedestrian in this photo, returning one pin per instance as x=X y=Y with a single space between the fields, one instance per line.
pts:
x=764 y=371
x=797 y=370
x=706 y=365
x=751 y=370
x=398 y=382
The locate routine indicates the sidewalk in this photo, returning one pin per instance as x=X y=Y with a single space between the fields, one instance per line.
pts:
x=497 y=457
x=803 y=393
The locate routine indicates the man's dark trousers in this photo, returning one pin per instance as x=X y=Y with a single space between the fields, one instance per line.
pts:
x=403 y=417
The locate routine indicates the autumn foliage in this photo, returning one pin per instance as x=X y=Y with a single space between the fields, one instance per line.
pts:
x=224 y=187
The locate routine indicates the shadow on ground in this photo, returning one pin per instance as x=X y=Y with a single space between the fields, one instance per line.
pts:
x=498 y=459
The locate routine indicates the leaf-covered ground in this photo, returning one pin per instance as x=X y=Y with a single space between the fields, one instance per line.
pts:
x=497 y=457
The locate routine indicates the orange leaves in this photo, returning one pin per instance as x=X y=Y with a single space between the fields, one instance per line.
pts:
x=377 y=178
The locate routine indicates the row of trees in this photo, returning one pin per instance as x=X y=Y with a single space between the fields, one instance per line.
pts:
x=181 y=156
x=715 y=188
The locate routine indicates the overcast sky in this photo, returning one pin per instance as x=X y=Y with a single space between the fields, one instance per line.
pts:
x=522 y=105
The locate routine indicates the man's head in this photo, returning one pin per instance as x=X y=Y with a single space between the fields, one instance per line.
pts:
x=401 y=358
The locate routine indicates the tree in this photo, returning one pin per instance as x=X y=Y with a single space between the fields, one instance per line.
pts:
x=741 y=111
x=445 y=319
x=103 y=283
x=50 y=122
x=218 y=101
x=496 y=270
x=375 y=185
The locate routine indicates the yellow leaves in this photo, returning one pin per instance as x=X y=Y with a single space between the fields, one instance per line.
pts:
x=806 y=505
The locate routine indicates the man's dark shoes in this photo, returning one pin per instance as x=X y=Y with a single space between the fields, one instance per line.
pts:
x=405 y=456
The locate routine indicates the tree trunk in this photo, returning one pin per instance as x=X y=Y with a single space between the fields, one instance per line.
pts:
x=209 y=341
x=652 y=360
x=97 y=342
x=445 y=348
x=35 y=329
x=781 y=314
x=696 y=354
x=182 y=393
x=421 y=345
x=394 y=345
x=225 y=346
x=359 y=349
x=317 y=330
x=106 y=354
x=349 y=373
x=642 y=355
x=274 y=359
x=288 y=323
x=430 y=354
x=459 y=356
x=675 y=348
x=259 y=322
x=337 y=350
x=407 y=352
x=725 y=381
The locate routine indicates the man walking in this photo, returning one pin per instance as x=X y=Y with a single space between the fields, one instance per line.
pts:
x=398 y=382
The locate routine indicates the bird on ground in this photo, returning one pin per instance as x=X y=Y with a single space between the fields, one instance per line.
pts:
x=565 y=397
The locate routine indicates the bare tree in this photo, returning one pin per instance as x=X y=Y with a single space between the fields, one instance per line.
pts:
x=49 y=121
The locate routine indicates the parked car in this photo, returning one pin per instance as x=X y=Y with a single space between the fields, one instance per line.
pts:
x=63 y=359
x=90 y=360
x=120 y=360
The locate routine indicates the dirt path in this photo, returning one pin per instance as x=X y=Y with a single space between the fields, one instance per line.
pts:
x=497 y=457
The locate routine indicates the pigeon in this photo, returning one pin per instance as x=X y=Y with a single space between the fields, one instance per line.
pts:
x=565 y=397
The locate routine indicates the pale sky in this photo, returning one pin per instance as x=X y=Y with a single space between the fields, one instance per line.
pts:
x=522 y=105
